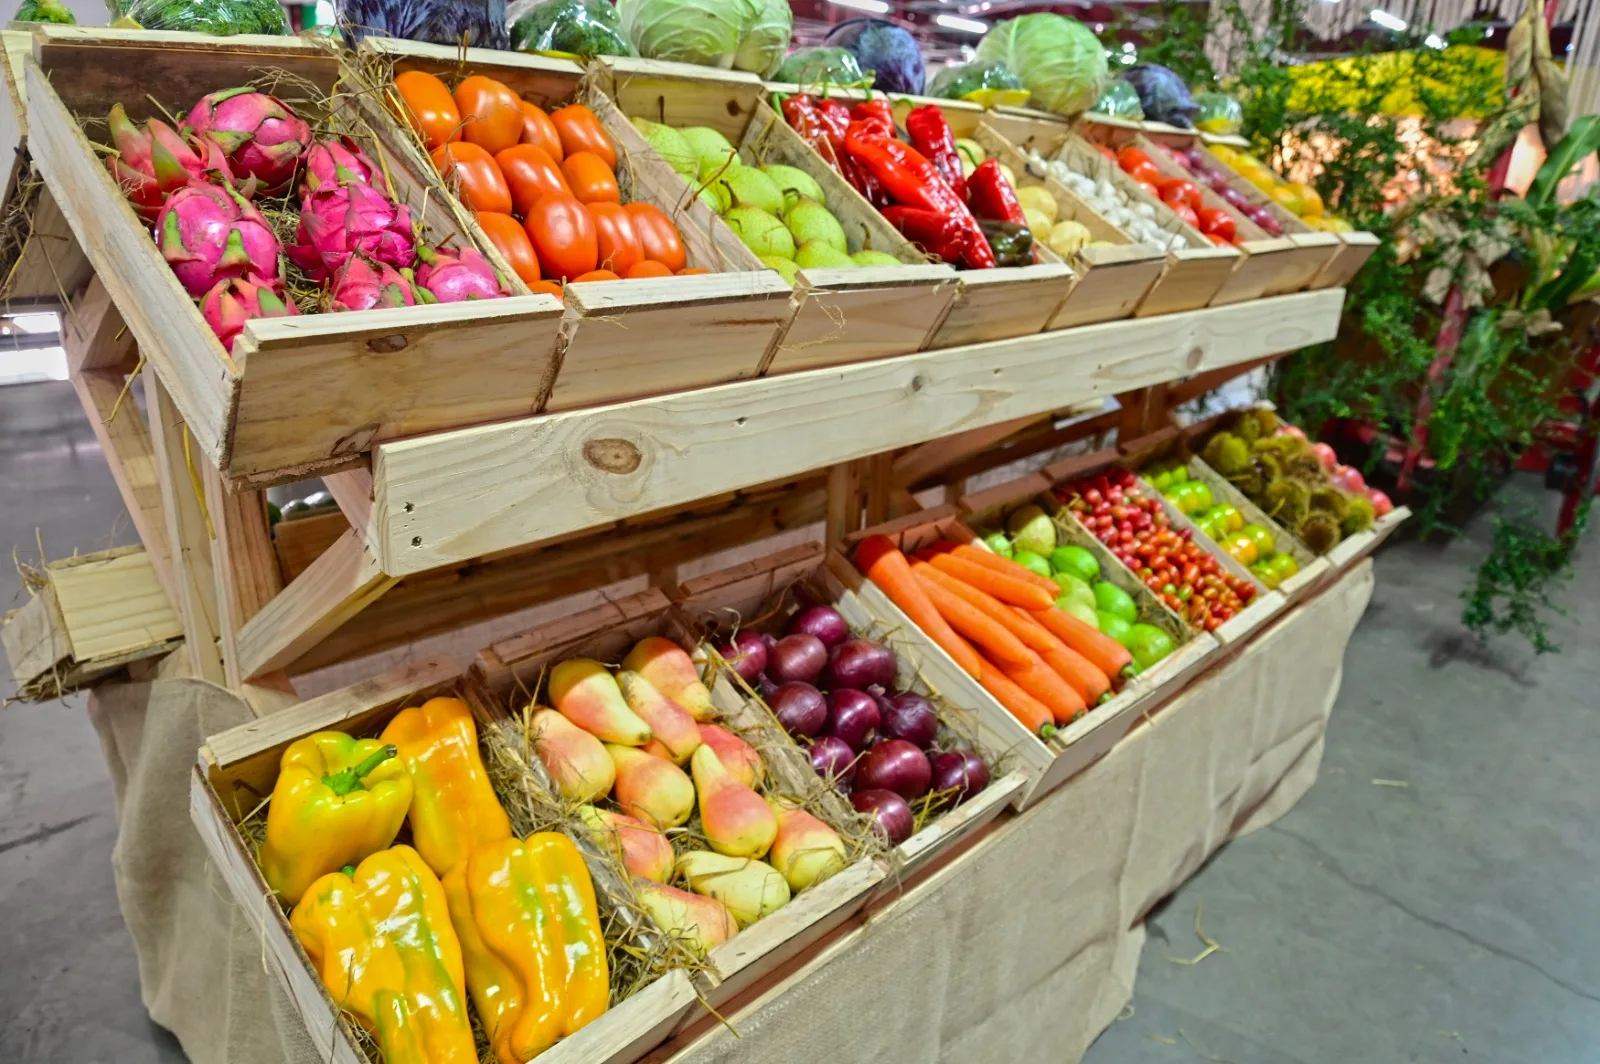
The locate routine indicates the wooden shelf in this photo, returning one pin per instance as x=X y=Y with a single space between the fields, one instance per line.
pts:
x=441 y=499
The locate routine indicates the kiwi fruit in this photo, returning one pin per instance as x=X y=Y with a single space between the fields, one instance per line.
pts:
x=1319 y=531
x=1358 y=515
x=1227 y=453
x=1286 y=501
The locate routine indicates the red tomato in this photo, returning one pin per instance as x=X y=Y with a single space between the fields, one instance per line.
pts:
x=1219 y=241
x=1107 y=152
x=530 y=174
x=1184 y=211
x=1145 y=173
x=492 y=113
x=563 y=236
x=580 y=130
x=429 y=107
x=537 y=129
x=590 y=178
x=657 y=235
x=615 y=236
x=482 y=186
x=647 y=268
x=547 y=288
x=1130 y=157
x=598 y=275
x=1179 y=189
x=1215 y=221
x=1154 y=193
x=511 y=240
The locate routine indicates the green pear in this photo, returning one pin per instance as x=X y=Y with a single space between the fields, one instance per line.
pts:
x=710 y=148
x=793 y=179
x=670 y=145
x=786 y=267
x=761 y=232
x=1032 y=529
x=868 y=257
x=818 y=254
x=749 y=888
x=810 y=221
x=715 y=196
x=749 y=187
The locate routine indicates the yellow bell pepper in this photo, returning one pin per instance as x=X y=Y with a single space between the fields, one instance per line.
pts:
x=453 y=807
x=530 y=936
x=380 y=938
x=337 y=800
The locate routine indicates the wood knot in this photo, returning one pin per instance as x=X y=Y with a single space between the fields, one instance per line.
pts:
x=387 y=345
x=1196 y=356
x=612 y=455
x=916 y=383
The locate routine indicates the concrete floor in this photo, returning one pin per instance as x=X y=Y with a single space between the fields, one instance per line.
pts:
x=1447 y=914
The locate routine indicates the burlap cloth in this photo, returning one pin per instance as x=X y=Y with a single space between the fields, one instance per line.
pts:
x=1023 y=950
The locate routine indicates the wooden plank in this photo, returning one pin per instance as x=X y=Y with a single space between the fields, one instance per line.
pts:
x=52 y=265
x=302 y=540
x=188 y=533
x=855 y=314
x=112 y=604
x=34 y=638
x=445 y=498
x=246 y=572
x=93 y=333
x=1007 y=301
x=352 y=490
x=1343 y=267
x=340 y=584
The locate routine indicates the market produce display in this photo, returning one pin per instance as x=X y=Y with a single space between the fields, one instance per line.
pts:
x=998 y=620
x=1181 y=195
x=404 y=935
x=1138 y=220
x=884 y=48
x=1298 y=199
x=971 y=219
x=543 y=187
x=1217 y=181
x=820 y=65
x=1119 y=100
x=1059 y=59
x=579 y=28
x=1135 y=527
x=1247 y=542
x=221 y=18
x=836 y=693
x=1299 y=484
x=731 y=34
x=985 y=82
x=674 y=794
x=1163 y=96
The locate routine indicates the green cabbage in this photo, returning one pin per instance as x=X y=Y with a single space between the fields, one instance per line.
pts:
x=1059 y=59
x=1120 y=100
x=731 y=34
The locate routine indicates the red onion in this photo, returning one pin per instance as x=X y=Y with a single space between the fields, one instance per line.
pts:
x=800 y=708
x=911 y=717
x=961 y=771
x=765 y=688
x=747 y=653
x=890 y=813
x=823 y=622
x=853 y=716
x=797 y=658
x=1381 y=503
x=895 y=765
x=1325 y=455
x=860 y=663
x=832 y=757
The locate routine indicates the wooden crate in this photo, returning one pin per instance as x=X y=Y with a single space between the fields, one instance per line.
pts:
x=298 y=395
x=1311 y=568
x=1109 y=281
x=767 y=589
x=1048 y=763
x=1343 y=267
x=1194 y=274
x=631 y=338
x=510 y=669
x=841 y=315
x=236 y=771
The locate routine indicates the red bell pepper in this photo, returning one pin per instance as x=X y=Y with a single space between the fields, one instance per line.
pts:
x=938 y=235
x=801 y=113
x=912 y=181
x=875 y=112
x=991 y=196
x=930 y=134
x=835 y=119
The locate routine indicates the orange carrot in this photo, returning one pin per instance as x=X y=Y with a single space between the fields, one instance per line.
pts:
x=885 y=566
x=1034 y=714
x=990 y=560
x=989 y=637
x=1043 y=683
x=1007 y=589
x=1103 y=652
x=1090 y=683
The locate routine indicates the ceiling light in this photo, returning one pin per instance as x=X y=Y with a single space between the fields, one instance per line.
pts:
x=877 y=7
x=956 y=22
x=1382 y=18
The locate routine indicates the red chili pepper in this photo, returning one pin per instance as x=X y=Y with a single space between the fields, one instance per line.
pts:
x=912 y=181
x=877 y=113
x=938 y=235
x=930 y=134
x=991 y=196
x=834 y=117
x=804 y=118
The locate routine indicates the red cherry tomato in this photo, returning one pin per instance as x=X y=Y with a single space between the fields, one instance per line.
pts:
x=1145 y=173
x=1184 y=211
x=1179 y=190
x=1216 y=222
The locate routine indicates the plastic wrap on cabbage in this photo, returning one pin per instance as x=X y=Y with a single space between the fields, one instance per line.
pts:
x=1059 y=59
x=987 y=83
x=816 y=66
x=45 y=11
x=481 y=22
x=1162 y=94
x=1218 y=113
x=584 y=28
x=888 y=50
x=220 y=18
x=1120 y=100
x=730 y=34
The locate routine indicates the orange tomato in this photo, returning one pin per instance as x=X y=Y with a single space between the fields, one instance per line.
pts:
x=1147 y=172
x=546 y=288
x=429 y=107
x=646 y=268
x=1219 y=240
x=491 y=111
x=657 y=235
x=690 y=271
x=530 y=173
x=598 y=275
x=615 y=237
x=482 y=186
x=1130 y=157
x=511 y=240
x=539 y=130
x=563 y=236
x=580 y=130
x=590 y=179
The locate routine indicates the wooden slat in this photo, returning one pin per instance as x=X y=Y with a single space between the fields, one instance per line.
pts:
x=302 y=540
x=445 y=498
x=34 y=638
x=247 y=577
x=337 y=586
x=111 y=603
x=352 y=490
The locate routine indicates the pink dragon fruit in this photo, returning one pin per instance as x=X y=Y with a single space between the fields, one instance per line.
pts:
x=456 y=276
x=209 y=233
x=363 y=284
x=154 y=161
x=257 y=132
x=340 y=162
x=235 y=301
x=336 y=220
